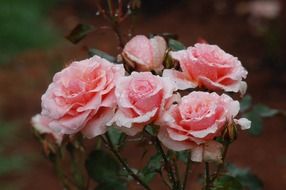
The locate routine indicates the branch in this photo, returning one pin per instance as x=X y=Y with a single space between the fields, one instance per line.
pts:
x=124 y=164
x=187 y=171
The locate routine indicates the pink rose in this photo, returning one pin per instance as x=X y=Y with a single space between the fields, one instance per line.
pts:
x=81 y=97
x=141 y=98
x=208 y=66
x=196 y=121
x=40 y=124
x=145 y=54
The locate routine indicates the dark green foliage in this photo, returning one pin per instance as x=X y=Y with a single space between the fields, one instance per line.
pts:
x=245 y=177
x=256 y=113
x=264 y=111
x=256 y=123
x=104 y=169
x=245 y=103
x=150 y=129
x=152 y=167
x=175 y=45
x=112 y=186
x=80 y=32
x=183 y=156
x=227 y=182
x=117 y=137
x=102 y=54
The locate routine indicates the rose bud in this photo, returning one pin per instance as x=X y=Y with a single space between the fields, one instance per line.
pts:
x=144 y=54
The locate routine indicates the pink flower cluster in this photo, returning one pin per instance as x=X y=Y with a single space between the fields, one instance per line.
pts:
x=91 y=95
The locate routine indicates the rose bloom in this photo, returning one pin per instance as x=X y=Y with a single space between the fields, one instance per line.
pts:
x=144 y=54
x=40 y=124
x=81 y=97
x=196 y=121
x=208 y=66
x=141 y=99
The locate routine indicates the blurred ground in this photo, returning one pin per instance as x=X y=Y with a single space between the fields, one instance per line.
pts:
x=259 y=44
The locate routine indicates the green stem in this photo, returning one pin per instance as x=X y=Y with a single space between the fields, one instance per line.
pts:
x=110 y=7
x=188 y=167
x=76 y=170
x=166 y=182
x=118 y=33
x=178 y=181
x=124 y=164
x=167 y=164
x=66 y=183
x=208 y=178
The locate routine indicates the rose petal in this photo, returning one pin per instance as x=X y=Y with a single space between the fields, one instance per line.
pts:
x=40 y=124
x=243 y=123
x=97 y=126
x=171 y=144
x=213 y=151
x=179 y=78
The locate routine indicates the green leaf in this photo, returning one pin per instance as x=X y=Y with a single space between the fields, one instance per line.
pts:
x=175 y=45
x=245 y=103
x=151 y=130
x=118 y=185
x=152 y=167
x=102 y=167
x=102 y=54
x=80 y=32
x=116 y=136
x=226 y=182
x=246 y=178
x=256 y=123
x=265 y=111
x=183 y=156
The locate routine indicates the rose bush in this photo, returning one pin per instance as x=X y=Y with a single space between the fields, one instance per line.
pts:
x=144 y=54
x=93 y=95
x=81 y=97
x=141 y=98
x=208 y=66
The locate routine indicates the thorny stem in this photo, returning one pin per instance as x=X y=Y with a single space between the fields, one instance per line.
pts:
x=117 y=31
x=178 y=181
x=110 y=7
x=208 y=177
x=113 y=21
x=166 y=182
x=76 y=170
x=166 y=161
x=188 y=167
x=109 y=143
x=120 y=6
x=60 y=173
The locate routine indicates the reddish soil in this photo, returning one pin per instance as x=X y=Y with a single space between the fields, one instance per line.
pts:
x=27 y=77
